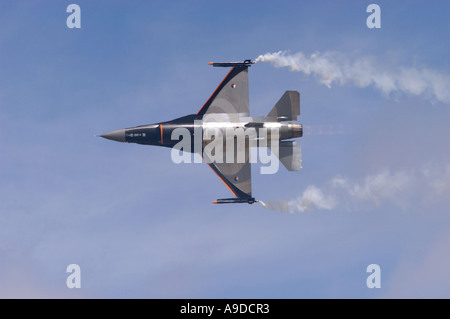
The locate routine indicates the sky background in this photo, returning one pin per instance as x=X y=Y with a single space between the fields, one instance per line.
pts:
x=140 y=226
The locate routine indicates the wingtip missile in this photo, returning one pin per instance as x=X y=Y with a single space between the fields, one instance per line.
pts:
x=246 y=63
x=249 y=200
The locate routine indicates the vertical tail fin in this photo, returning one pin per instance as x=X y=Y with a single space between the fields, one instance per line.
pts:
x=287 y=108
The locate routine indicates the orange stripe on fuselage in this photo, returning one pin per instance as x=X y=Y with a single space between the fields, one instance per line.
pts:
x=160 y=127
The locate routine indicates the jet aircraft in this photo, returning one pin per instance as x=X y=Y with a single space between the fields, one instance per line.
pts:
x=228 y=108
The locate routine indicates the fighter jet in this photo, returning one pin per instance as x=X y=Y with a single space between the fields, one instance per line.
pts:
x=225 y=111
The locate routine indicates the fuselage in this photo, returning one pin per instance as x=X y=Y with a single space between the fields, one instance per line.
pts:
x=167 y=134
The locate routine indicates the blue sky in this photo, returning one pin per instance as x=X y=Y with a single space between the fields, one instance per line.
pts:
x=140 y=226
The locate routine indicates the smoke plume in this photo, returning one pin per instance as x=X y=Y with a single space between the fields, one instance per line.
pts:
x=337 y=68
x=400 y=188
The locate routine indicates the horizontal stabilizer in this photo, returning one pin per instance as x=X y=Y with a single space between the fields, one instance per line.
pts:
x=249 y=200
x=287 y=108
x=290 y=154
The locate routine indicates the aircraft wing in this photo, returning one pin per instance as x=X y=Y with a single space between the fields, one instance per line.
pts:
x=236 y=176
x=231 y=96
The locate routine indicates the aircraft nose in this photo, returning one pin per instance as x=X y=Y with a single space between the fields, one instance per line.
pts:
x=117 y=135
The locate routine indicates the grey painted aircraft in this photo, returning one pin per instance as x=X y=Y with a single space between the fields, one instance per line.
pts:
x=228 y=108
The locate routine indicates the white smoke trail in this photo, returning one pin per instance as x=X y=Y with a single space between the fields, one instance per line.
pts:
x=334 y=67
x=312 y=198
x=400 y=188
